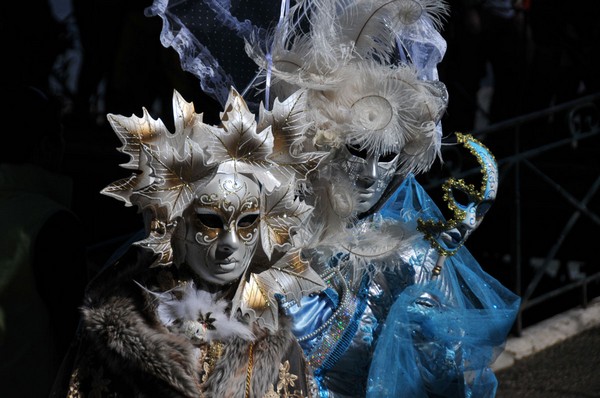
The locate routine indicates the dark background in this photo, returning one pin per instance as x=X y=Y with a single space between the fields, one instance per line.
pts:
x=100 y=57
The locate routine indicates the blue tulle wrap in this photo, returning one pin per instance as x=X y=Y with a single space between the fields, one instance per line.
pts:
x=440 y=337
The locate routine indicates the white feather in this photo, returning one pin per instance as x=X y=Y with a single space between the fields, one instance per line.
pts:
x=382 y=110
x=180 y=315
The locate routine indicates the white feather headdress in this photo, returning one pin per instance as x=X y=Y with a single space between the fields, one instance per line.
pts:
x=334 y=49
x=369 y=68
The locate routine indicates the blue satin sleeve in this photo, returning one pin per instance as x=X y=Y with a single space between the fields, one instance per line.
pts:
x=311 y=313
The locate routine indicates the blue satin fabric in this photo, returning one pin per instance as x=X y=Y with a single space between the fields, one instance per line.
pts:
x=312 y=312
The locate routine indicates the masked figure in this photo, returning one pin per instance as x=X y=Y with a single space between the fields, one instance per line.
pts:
x=357 y=115
x=191 y=310
x=375 y=104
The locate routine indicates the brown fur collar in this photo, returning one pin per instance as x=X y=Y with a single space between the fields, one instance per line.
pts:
x=123 y=334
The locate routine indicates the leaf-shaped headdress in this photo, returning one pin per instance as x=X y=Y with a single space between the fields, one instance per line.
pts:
x=169 y=168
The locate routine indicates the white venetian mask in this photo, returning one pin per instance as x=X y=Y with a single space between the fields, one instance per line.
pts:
x=219 y=234
x=370 y=173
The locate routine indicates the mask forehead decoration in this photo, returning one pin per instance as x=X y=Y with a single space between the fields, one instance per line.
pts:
x=172 y=167
x=227 y=203
x=449 y=236
x=228 y=195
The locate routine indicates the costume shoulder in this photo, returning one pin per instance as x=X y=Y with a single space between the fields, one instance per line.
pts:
x=122 y=347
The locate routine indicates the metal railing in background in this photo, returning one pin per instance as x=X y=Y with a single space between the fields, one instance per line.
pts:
x=549 y=163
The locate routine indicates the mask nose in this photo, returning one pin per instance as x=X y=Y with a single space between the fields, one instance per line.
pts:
x=370 y=173
x=229 y=241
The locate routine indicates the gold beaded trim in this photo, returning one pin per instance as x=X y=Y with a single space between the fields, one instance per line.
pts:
x=431 y=227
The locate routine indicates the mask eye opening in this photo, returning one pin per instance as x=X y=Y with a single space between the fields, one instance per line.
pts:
x=209 y=220
x=355 y=151
x=388 y=157
x=247 y=220
x=483 y=208
x=461 y=197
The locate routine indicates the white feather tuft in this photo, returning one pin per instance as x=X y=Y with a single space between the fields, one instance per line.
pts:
x=198 y=315
x=370 y=247
x=382 y=110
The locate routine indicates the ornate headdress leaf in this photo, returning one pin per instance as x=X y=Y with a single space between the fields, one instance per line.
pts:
x=291 y=277
x=159 y=241
x=289 y=126
x=168 y=163
x=134 y=133
x=239 y=143
x=281 y=213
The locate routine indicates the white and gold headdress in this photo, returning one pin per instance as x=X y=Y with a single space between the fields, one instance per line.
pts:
x=169 y=167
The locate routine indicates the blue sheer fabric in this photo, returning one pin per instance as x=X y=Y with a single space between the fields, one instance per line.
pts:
x=424 y=47
x=413 y=334
x=210 y=35
x=441 y=335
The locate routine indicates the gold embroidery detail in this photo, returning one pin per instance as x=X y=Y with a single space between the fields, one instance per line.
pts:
x=286 y=380
x=209 y=356
x=74 y=385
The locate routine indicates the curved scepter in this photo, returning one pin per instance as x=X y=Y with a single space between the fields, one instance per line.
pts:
x=449 y=236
